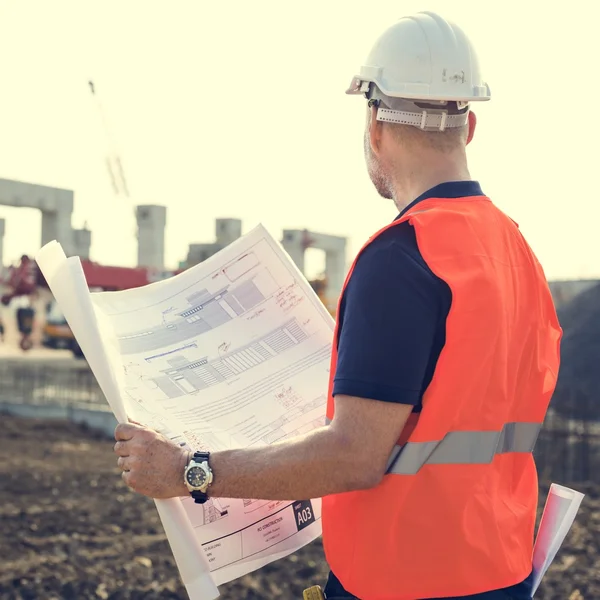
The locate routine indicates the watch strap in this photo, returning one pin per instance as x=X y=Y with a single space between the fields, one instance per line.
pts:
x=201 y=456
x=199 y=497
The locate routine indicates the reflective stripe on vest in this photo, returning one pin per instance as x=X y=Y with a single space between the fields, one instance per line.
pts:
x=463 y=448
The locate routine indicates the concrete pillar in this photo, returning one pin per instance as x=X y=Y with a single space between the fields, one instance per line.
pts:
x=2 y=226
x=82 y=241
x=151 y=221
x=56 y=206
x=228 y=230
x=57 y=226
x=198 y=253
x=335 y=266
x=293 y=244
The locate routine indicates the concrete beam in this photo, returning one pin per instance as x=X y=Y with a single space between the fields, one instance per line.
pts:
x=296 y=241
x=227 y=231
x=55 y=204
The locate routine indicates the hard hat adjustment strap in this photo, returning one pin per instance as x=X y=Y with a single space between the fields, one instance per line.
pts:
x=423 y=120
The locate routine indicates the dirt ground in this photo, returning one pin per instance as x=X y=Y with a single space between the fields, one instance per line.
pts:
x=70 y=530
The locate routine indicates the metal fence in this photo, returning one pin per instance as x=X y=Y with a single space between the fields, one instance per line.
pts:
x=567 y=451
x=568 y=448
x=51 y=382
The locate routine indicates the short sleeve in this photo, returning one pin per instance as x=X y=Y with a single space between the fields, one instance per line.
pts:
x=393 y=308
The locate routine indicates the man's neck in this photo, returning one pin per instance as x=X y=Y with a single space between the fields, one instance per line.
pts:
x=409 y=188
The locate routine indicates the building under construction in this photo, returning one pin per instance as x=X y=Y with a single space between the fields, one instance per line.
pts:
x=56 y=206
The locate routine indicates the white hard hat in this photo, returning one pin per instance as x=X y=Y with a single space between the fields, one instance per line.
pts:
x=424 y=58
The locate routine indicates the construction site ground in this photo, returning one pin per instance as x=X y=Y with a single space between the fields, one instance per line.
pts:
x=70 y=530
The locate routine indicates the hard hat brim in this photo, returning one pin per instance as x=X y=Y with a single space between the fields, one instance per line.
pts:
x=356 y=87
x=360 y=86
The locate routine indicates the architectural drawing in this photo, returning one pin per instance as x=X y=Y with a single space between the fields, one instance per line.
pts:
x=302 y=419
x=204 y=312
x=186 y=376
x=251 y=506
x=213 y=510
x=231 y=353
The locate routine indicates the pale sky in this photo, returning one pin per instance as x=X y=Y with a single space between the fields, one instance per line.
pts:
x=237 y=109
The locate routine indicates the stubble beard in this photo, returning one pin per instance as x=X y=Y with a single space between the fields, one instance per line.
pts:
x=378 y=178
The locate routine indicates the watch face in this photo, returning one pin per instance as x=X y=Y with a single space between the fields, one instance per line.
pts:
x=196 y=477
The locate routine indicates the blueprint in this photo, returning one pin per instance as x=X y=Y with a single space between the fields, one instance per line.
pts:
x=231 y=353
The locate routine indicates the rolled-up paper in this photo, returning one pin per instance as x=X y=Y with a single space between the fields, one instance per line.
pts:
x=67 y=283
x=559 y=513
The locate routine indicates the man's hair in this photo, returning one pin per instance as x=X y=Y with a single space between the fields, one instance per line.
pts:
x=438 y=141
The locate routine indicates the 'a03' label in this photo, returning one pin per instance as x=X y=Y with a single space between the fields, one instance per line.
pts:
x=304 y=512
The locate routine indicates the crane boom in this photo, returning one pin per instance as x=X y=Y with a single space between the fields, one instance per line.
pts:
x=114 y=164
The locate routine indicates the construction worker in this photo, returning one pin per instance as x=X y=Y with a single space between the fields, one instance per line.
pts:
x=444 y=359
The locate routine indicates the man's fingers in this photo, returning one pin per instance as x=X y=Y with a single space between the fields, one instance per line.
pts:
x=129 y=479
x=125 y=431
x=123 y=463
x=121 y=449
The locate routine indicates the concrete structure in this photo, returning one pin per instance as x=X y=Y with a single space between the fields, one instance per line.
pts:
x=226 y=231
x=297 y=241
x=82 y=240
x=151 y=222
x=56 y=206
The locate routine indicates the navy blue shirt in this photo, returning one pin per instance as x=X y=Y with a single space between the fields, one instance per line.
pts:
x=397 y=308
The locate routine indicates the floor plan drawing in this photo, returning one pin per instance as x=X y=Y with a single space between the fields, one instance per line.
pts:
x=252 y=505
x=240 y=266
x=186 y=376
x=231 y=353
x=211 y=511
x=302 y=419
x=205 y=311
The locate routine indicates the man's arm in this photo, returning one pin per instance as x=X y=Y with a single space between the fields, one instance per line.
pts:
x=349 y=454
x=393 y=308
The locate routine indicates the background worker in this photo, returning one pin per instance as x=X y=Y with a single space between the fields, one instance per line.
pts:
x=445 y=357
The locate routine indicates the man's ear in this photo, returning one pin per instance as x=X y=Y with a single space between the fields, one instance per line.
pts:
x=375 y=131
x=472 y=126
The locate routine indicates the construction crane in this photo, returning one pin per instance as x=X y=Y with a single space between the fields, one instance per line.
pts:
x=114 y=164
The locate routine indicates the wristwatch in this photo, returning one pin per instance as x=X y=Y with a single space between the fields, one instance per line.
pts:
x=198 y=476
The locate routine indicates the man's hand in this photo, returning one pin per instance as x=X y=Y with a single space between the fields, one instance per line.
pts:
x=152 y=465
x=350 y=454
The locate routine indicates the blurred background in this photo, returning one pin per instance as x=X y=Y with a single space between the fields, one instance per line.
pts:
x=145 y=136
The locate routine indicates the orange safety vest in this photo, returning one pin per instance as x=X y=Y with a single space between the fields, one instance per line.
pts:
x=455 y=512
